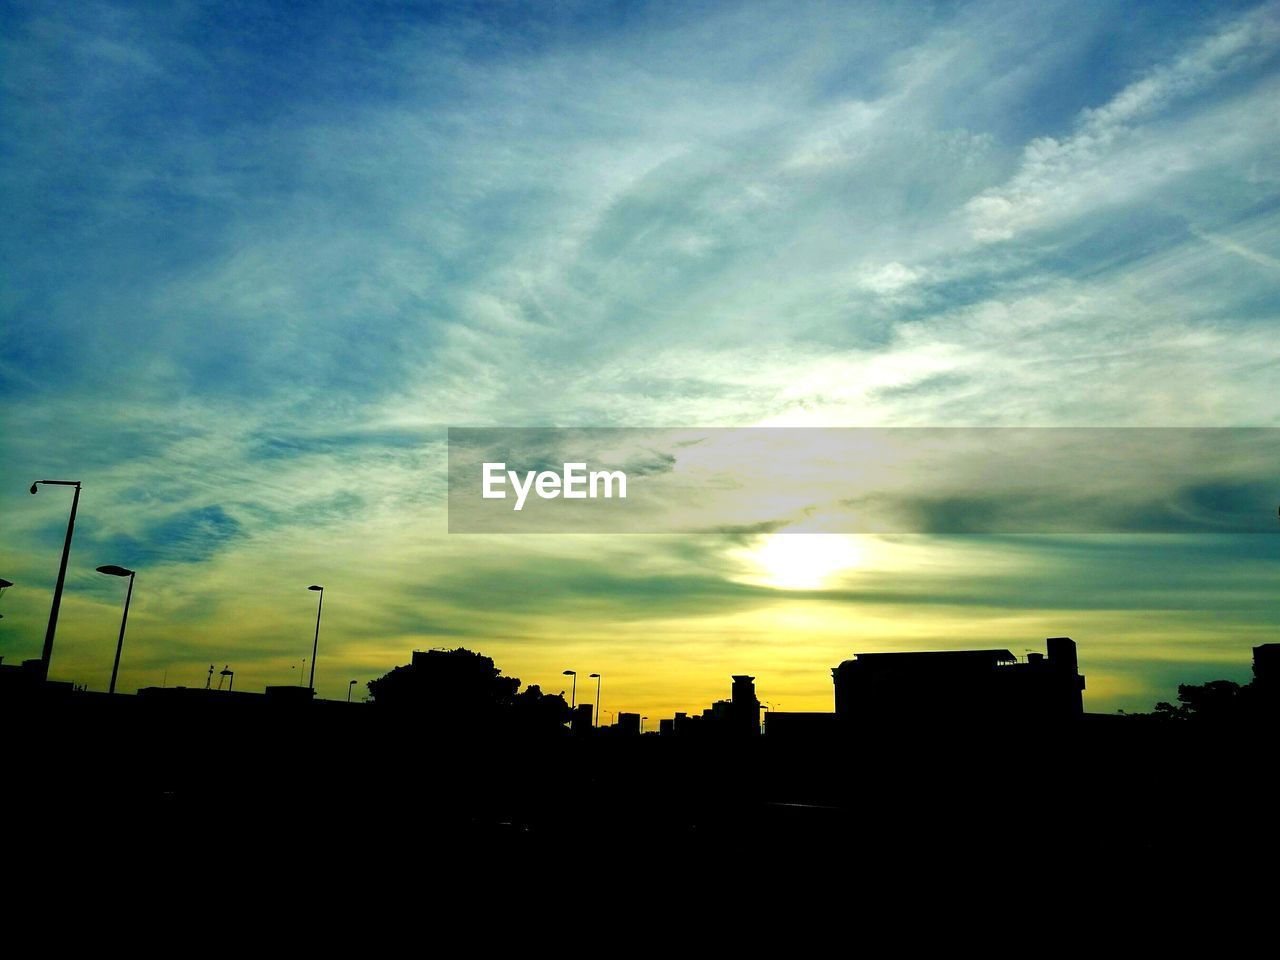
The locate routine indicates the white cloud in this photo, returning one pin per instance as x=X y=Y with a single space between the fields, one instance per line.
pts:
x=1112 y=157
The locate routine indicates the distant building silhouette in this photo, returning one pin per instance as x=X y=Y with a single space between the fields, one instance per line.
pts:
x=628 y=724
x=739 y=716
x=960 y=686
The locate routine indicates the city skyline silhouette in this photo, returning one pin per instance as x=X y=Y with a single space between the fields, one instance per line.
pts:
x=936 y=344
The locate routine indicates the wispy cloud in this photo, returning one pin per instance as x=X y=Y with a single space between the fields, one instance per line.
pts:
x=249 y=271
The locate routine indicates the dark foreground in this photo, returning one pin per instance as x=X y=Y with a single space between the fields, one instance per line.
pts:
x=316 y=792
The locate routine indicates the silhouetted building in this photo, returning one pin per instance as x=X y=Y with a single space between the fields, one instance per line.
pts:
x=737 y=716
x=581 y=723
x=744 y=709
x=1264 y=695
x=628 y=724
x=799 y=725
x=26 y=681
x=960 y=685
x=683 y=725
x=1266 y=667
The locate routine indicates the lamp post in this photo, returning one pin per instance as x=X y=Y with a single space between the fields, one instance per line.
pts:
x=4 y=585
x=231 y=678
x=316 y=644
x=47 y=653
x=597 y=679
x=350 y=687
x=113 y=571
x=574 y=696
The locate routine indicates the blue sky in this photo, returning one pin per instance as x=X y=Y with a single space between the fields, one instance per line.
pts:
x=255 y=258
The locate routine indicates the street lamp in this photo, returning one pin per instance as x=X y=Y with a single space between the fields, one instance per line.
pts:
x=316 y=644
x=574 y=701
x=597 y=679
x=4 y=585
x=47 y=653
x=112 y=570
x=350 y=687
x=228 y=674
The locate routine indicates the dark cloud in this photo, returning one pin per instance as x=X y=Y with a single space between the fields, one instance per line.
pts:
x=189 y=536
x=1199 y=508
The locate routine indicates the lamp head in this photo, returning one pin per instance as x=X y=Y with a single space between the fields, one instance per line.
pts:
x=594 y=676
x=5 y=583
x=571 y=673
x=33 y=486
x=115 y=571
x=315 y=587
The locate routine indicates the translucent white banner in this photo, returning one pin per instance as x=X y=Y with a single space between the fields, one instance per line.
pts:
x=864 y=480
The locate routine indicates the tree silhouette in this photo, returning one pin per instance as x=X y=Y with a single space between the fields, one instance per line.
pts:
x=467 y=692
x=1212 y=702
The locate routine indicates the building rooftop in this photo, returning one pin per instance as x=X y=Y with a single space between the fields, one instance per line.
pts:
x=940 y=658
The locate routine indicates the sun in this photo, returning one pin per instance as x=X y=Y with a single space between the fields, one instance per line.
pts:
x=801 y=561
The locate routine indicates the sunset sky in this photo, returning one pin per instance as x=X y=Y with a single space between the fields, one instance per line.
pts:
x=255 y=260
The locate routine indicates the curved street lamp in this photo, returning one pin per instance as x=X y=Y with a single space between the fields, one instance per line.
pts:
x=316 y=644
x=596 y=677
x=112 y=570
x=350 y=687
x=574 y=701
x=46 y=654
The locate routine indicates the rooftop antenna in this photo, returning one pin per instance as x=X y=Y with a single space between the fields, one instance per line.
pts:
x=208 y=681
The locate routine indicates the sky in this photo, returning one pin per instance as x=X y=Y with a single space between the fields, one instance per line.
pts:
x=256 y=259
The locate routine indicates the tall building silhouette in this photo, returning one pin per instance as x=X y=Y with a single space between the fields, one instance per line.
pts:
x=744 y=708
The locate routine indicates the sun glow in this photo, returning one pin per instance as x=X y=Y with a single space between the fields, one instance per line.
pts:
x=801 y=561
